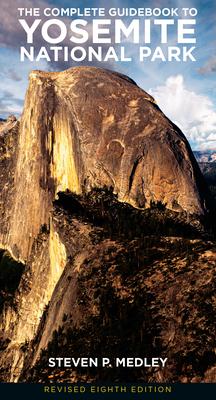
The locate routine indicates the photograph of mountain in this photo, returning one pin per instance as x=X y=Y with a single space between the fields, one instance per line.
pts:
x=107 y=192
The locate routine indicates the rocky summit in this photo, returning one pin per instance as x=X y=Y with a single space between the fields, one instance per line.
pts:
x=103 y=248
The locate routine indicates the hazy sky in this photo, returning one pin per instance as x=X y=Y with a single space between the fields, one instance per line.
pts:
x=186 y=92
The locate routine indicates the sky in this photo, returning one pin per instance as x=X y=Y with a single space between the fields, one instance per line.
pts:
x=185 y=91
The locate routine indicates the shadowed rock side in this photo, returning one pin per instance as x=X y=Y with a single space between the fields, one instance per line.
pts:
x=9 y=132
x=127 y=293
x=83 y=130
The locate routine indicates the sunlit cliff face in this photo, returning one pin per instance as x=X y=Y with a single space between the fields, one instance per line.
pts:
x=45 y=163
x=63 y=166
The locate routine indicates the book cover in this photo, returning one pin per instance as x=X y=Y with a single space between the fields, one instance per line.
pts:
x=107 y=198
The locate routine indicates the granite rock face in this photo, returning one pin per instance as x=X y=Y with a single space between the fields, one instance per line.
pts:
x=112 y=134
x=83 y=132
x=85 y=128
